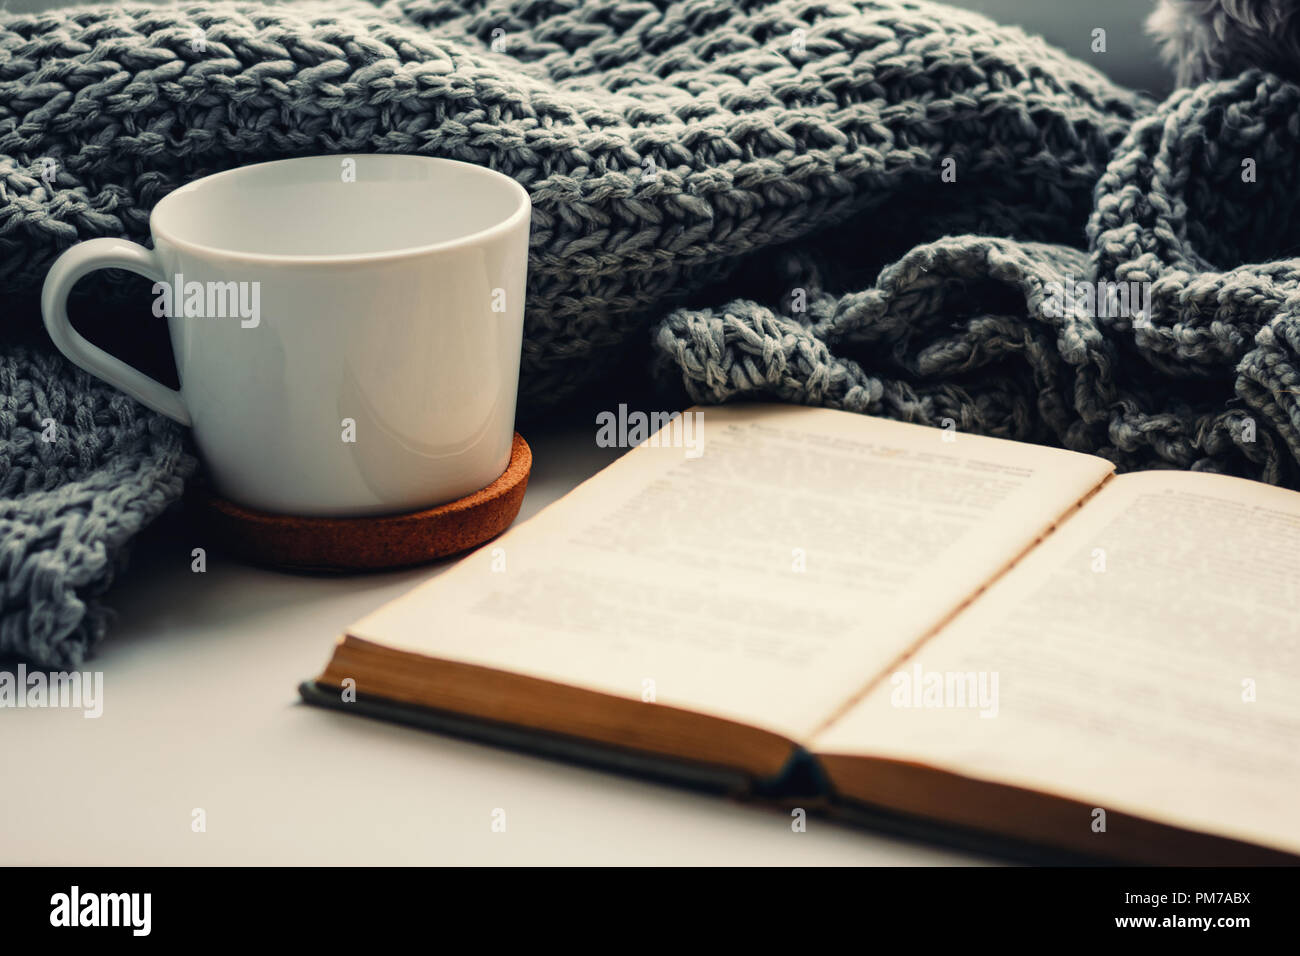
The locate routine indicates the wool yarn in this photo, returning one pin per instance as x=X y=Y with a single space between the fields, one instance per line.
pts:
x=661 y=142
x=1194 y=203
x=864 y=204
x=83 y=469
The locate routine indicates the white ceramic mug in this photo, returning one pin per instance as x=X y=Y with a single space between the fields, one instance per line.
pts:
x=347 y=329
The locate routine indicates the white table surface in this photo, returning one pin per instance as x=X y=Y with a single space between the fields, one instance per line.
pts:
x=201 y=711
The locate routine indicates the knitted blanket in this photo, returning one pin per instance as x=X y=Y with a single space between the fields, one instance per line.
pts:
x=888 y=206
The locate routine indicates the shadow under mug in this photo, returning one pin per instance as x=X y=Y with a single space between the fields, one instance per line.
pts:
x=347 y=329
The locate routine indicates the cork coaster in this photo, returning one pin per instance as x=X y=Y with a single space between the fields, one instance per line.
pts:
x=364 y=544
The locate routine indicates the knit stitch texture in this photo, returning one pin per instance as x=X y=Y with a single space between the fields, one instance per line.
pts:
x=748 y=192
x=83 y=469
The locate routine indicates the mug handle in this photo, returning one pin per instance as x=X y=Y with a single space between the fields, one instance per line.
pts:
x=80 y=260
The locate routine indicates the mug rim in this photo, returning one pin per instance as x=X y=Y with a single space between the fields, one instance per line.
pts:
x=522 y=211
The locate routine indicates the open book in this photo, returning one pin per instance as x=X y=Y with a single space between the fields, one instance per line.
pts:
x=994 y=636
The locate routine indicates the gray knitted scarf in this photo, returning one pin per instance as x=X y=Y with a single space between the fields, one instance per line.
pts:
x=867 y=204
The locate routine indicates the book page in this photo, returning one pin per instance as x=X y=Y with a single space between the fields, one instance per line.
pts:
x=1145 y=658
x=763 y=576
